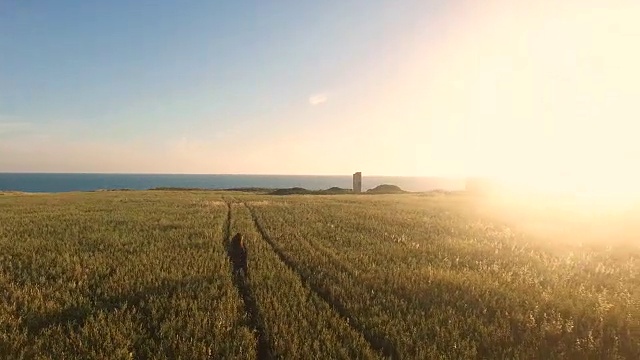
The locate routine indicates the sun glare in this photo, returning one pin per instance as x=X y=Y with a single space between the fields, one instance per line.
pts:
x=546 y=94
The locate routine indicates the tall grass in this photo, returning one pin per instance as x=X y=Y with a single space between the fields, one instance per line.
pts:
x=148 y=275
x=117 y=276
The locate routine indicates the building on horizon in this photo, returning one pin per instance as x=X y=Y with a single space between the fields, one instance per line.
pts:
x=357 y=183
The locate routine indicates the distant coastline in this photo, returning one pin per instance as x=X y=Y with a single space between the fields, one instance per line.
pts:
x=68 y=182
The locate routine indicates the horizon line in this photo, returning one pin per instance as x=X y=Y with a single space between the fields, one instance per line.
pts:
x=231 y=174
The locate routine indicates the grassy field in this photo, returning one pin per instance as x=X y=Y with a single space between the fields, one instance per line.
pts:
x=147 y=275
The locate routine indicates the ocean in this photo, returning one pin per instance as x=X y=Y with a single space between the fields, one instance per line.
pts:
x=50 y=182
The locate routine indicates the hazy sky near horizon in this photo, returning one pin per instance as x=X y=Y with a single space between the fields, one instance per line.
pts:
x=403 y=87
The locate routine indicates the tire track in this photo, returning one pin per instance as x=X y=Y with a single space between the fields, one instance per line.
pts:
x=378 y=343
x=250 y=306
x=401 y=294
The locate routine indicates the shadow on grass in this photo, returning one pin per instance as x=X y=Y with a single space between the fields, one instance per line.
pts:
x=244 y=289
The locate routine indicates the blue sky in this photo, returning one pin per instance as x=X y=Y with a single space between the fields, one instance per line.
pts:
x=424 y=87
x=104 y=64
x=155 y=71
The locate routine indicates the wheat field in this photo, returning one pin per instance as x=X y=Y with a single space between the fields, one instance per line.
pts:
x=148 y=275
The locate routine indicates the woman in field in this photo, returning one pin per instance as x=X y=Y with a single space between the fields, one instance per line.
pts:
x=239 y=254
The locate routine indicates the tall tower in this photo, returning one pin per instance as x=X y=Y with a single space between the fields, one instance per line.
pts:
x=357 y=183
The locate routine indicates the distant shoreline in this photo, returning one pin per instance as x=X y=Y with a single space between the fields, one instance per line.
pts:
x=231 y=174
x=262 y=191
x=61 y=182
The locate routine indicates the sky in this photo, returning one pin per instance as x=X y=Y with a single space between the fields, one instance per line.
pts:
x=519 y=90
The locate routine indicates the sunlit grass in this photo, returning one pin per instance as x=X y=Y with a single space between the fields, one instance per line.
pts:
x=146 y=275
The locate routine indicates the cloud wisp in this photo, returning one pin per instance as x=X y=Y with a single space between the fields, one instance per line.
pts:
x=318 y=99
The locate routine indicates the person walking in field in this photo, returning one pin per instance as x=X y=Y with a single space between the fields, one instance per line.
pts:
x=239 y=254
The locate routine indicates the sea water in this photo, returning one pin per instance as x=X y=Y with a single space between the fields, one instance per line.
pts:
x=50 y=182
